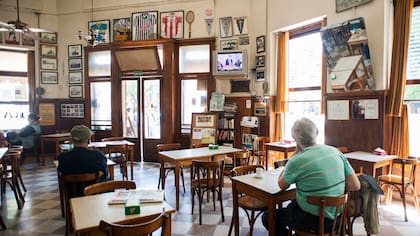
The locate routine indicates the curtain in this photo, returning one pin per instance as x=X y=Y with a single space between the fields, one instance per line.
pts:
x=399 y=144
x=280 y=104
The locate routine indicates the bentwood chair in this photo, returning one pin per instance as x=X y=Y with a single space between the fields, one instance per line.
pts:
x=109 y=186
x=401 y=176
x=258 y=150
x=119 y=154
x=206 y=177
x=168 y=167
x=249 y=204
x=151 y=224
x=237 y=159
x=10 y=176
x=339 y=203
x=2 y=224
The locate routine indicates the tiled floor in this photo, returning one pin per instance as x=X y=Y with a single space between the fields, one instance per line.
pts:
x=41 y=212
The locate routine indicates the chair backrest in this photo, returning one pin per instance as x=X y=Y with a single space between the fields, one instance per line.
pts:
x=108 y=186
x=258 y=144
x=244 y=170
x=343 y=149
x=168 y=146
x=161 y=221
x=241 y=158
x=116 y=138
x=117 y=150
x=280 y=163
x=407 y=167
x=73 y=184
x=207 y=173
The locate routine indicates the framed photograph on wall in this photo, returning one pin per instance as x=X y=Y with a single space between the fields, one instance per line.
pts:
x=102 y=26
x=226 y=29
x=76 y=91
x=48 y=50
x=261 y=44
x=172 y=24
x=75 y=77
x=240 y=25
x=260 y=75
x=47 y=37
x=12 y=37
x=75 y=64
x=73 y=110
x=229 y=44
x=243 y=40
x=48 y=63
x=121 y=29
x=260 y=61
x=75 y=50
x=144 y=25
x=48 y=77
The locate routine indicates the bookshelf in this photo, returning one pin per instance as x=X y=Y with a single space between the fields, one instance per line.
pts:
x=227 y=128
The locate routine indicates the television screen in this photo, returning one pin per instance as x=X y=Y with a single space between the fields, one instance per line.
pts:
x=230 y=61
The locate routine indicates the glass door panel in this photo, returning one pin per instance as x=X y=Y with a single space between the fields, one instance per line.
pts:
x=151 y=106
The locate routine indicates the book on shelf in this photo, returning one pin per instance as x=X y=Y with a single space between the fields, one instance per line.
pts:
x=143 y=195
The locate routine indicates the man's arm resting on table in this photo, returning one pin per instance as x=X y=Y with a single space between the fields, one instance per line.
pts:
x=282 y=183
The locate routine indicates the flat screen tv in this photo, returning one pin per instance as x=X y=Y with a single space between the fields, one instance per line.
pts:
x=230 y=63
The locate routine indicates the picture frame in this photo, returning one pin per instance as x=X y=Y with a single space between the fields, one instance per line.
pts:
x=75 y=77
x=48 y=50
x=240 y=26
x=12 y=37
x=75 y=91
x=75 y=64
x=260 y=44
x=49 y=77
x=244 y=40
x=172 y=24
x=259 y=109
x=260 y=75
x=102 y=27
x=27 y=40
x=229 y=44
x=226 y=28
x=144 y=25
x=75 y=50
x=342 y=5
x=121 y=29
x=48 y=63
x=260 y=61
x=48 y=37
x=76 y=110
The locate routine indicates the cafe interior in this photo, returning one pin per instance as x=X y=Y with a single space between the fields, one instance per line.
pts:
x=173 y=90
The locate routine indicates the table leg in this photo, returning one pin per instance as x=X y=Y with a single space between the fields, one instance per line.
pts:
x=111 y=172
x=162 y=173
x=235 y=209
x=42 y=152
x=177 y=166
x=57 y=149
x=272 y=219
x=61 y=194
x=132 y=161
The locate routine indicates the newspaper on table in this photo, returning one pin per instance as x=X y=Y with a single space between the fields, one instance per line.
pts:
x=144 y=195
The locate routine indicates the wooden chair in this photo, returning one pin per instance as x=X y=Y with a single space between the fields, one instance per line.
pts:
x=279 y=163
x=169 y=166
x=17 y=148
x=2 y=224
x=33 y=150
x=206 y=177
x=338 y=227
x=152 y=224
x=10 y=176
x=238 y=159
x=108 y=186
x=343 y=149
x=248 y=203
x=119 y=154
x=401 y=176
x=258 y=150
x=72 y=185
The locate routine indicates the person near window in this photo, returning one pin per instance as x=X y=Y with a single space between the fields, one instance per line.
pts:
x=26 y=135
x=317 y=170
x=80 y=159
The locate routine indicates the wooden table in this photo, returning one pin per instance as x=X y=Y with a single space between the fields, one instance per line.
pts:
x=265 y=189
x=57 y=138
x=184 y=157
x=369 y=161
x=279 y=147
x=87 y=212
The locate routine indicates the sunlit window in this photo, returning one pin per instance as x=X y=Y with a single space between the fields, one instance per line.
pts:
x=100 y=105
x=193 y=99
x=194 y=59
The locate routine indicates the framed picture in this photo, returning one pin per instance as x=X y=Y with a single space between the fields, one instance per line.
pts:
x=121 y=29
x=75 y=50
x=260 y=75
x=172 y=24
x=76 y=91
x=260 y=61
x=342 y=5
x=102 y=27
x=144 y=25
x=240 y=25
x=259 y=109
x=48 y=63
x=229 y=44
x=226 y=27
x=261 y=44
x=244 y=40
x=48 y=50
x=48 y=77
x=73 y=110
x=48 y=38
x=27 y=40
x=75 y=64
x=75 y=77
x=12 y=37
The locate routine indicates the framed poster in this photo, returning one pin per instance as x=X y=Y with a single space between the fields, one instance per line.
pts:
x=172 y=24
x=240 y=25
x=226 y=27
x=12 y=37
x=76 y=91
x=260 y=61
x=229 y=44
x=47 y=113
x=48 y=77
x=260 y=75
x=121 y=29
x=144 y=25
x=48 y=50
x=47 y=37
x=27 y=40
x=75 y=64
x=102 y=27
x=73 y=110
x=48 y=63
x=75 y=50
x=261 y=44
x=75 y=77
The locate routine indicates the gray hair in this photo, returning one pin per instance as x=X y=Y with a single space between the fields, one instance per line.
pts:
x=304 y=131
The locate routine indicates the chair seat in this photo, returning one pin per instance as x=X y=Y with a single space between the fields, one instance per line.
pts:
x=393 y=179
x=251 y=203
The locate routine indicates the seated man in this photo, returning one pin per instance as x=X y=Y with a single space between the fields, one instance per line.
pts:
x=80 y=159
x=317 y=170
x=26 y=135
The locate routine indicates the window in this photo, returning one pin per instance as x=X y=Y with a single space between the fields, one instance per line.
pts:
x=193 y=99
x=304 y=79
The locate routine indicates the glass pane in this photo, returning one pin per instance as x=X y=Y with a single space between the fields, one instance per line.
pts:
x=13 y=116
x=100 y=93
x=193 y=99
x=412 y=92
x=13 y=61
x=14 y=88
x=194 y=59
x=130 y=106
x=151 y=96
x=414 y=127
x=100 y=63
x=309 y=95
x=413 y=62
